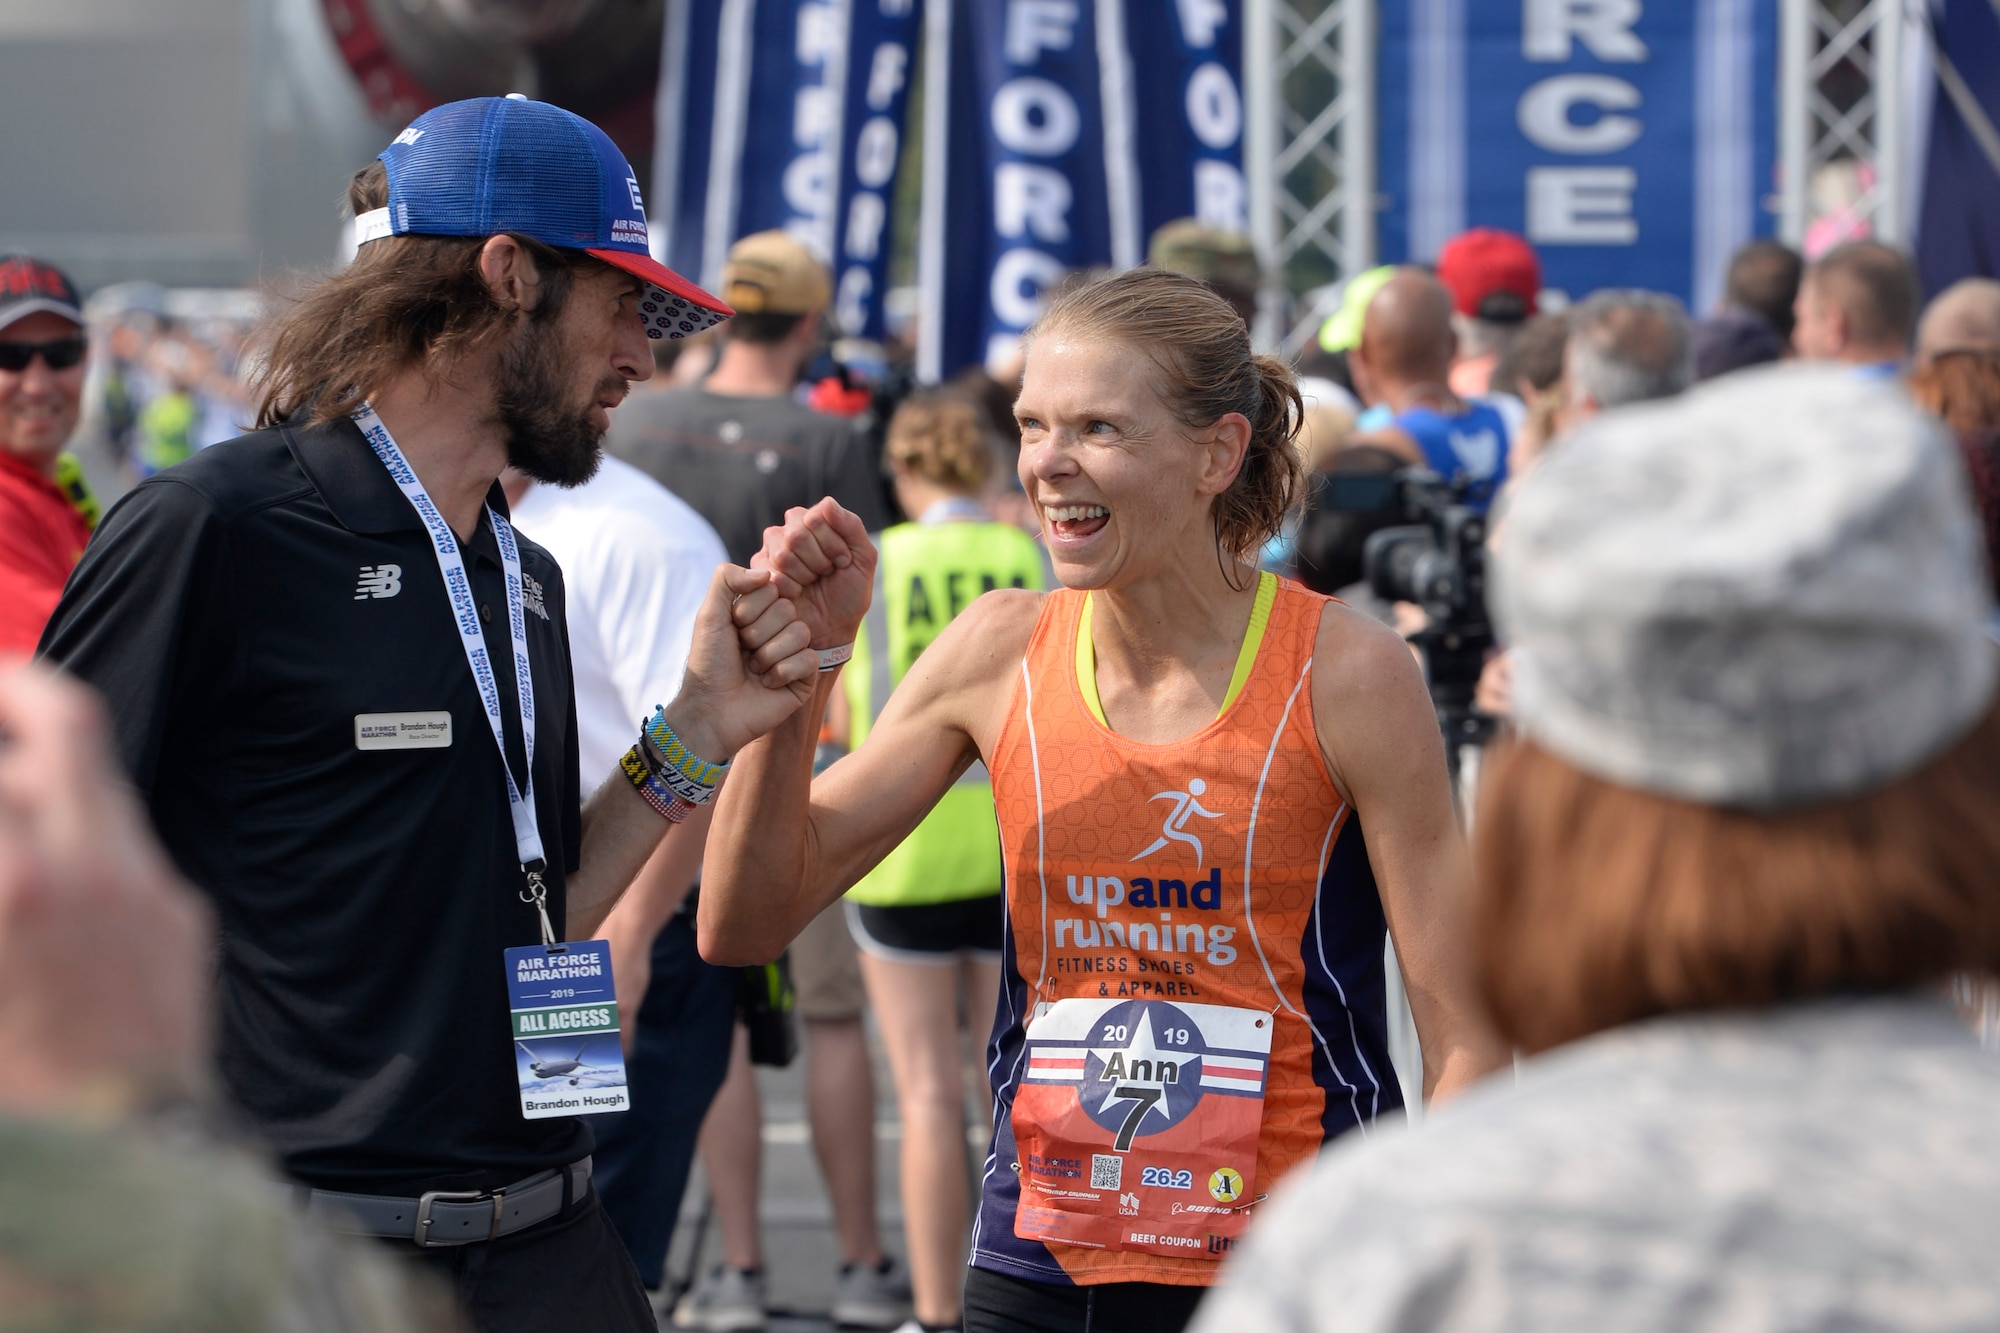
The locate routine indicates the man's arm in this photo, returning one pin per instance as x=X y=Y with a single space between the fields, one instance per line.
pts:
x=1380 y=737
x=649 y=577
x=748 y=669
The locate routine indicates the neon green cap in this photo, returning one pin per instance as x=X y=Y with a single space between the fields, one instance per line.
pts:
x=1342 y=329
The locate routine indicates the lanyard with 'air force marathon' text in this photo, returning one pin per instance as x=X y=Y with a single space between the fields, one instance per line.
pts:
x=465 y=610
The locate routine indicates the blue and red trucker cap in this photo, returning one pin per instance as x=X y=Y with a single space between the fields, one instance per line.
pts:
x=492 y=164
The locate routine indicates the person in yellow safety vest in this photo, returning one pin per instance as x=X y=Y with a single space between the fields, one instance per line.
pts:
x=929 y=917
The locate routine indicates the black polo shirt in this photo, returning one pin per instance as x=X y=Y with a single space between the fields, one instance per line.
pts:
x=238 y=612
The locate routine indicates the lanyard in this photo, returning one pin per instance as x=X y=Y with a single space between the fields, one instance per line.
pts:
x=464 y=610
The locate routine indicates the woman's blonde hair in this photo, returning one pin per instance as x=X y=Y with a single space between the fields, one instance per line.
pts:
x=938 y=437
x=1202 y=349
x=1598 y=905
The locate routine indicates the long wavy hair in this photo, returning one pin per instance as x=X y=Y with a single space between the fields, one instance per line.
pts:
x=405 y=302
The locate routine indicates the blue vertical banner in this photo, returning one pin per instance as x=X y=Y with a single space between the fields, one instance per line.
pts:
x=1633 y=144
x=1058 y=135
x=883 y=46
x=1958 y=225
x=1187 y=58
x=749 y=115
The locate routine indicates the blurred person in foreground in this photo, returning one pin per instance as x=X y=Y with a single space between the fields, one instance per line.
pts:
x=741 y=449
x=1963 y=317
x=1763 y=282
x=344 y=685
x=1747 y=835
x=117 y=1210
x=1857 y=306
x=1403 y=362
x=636 y=562
x=929 y=919
x=46 y=513
x=1495 y=281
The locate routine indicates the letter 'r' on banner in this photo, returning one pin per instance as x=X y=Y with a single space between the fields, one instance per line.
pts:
x=1633 y=144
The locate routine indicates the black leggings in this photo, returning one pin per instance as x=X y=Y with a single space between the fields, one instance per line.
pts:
x=995 y=1303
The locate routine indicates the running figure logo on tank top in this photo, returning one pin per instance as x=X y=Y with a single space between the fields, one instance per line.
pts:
x=1175 y=829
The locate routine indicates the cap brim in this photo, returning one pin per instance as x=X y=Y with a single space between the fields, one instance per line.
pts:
x=672 y=307
x=39 y=305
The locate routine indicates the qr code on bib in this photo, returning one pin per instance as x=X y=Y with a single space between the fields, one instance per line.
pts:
x=1107 y=1171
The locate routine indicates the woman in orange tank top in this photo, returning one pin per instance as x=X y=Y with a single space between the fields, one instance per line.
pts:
x=1184 y=755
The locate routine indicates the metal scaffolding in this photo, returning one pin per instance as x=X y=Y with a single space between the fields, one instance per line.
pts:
x=1310 y=140
x=1309 y=74
x=1843 y=117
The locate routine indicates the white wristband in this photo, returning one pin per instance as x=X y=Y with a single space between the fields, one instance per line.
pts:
x=829 y=658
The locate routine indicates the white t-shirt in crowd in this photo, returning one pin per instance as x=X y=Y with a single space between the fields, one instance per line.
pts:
x=636 y=562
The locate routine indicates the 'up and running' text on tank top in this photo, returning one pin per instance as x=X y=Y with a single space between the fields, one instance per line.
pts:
x=1193 y=995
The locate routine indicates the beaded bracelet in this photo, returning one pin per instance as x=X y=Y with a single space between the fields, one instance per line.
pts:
x=664 y=803
x=675 y=753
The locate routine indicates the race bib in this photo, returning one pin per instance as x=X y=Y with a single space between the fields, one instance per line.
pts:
x=1137 y=1122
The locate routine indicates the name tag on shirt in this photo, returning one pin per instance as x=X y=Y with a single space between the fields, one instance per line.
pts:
x=402 y=731
x=567 y=1055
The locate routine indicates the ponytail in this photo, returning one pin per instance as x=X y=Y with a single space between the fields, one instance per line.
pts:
x=1254 y=508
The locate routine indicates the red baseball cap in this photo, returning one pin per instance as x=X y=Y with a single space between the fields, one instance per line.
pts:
x=1492 y=274
x=28 y=286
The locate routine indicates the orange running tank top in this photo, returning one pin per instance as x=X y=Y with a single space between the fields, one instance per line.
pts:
x=1192 y=998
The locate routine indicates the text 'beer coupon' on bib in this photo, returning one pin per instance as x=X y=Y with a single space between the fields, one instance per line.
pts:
x=1137 y=1124
x=566 y=1048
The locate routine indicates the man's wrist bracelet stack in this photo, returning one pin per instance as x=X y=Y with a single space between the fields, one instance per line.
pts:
x=667 y=774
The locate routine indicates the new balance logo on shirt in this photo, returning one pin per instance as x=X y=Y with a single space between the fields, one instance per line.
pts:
x=378 y=581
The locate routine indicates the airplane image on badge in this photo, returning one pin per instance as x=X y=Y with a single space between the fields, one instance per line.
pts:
x=574 y=1068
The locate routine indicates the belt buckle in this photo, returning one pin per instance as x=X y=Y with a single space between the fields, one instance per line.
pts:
x=429 y=1198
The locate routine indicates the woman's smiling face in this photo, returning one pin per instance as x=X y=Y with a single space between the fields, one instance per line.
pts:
x=1113 y=474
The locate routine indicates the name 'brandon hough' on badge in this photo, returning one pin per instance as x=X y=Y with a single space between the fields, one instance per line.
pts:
x=402 y=731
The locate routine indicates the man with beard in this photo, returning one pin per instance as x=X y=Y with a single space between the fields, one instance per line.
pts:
x=343 y=687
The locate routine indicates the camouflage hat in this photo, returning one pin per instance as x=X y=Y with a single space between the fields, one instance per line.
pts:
x=1767 y=592
x=1208 y=254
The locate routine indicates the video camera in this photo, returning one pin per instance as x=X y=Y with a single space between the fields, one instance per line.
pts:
x=1434 y=556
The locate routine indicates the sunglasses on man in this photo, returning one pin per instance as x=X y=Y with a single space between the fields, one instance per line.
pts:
x=59 y=353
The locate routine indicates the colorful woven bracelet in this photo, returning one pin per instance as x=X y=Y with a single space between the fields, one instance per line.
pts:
x=664 y=803
x=674 y=751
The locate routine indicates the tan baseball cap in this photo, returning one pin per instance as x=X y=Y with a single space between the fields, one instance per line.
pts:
x=1208 y=254
x=771 y=273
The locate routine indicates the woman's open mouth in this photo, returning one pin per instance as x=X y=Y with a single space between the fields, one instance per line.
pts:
x=1072 y=523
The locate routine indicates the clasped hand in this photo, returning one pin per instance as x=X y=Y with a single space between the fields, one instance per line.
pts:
x=752 y=662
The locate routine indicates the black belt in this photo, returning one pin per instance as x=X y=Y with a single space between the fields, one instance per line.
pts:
x=452 y=1217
